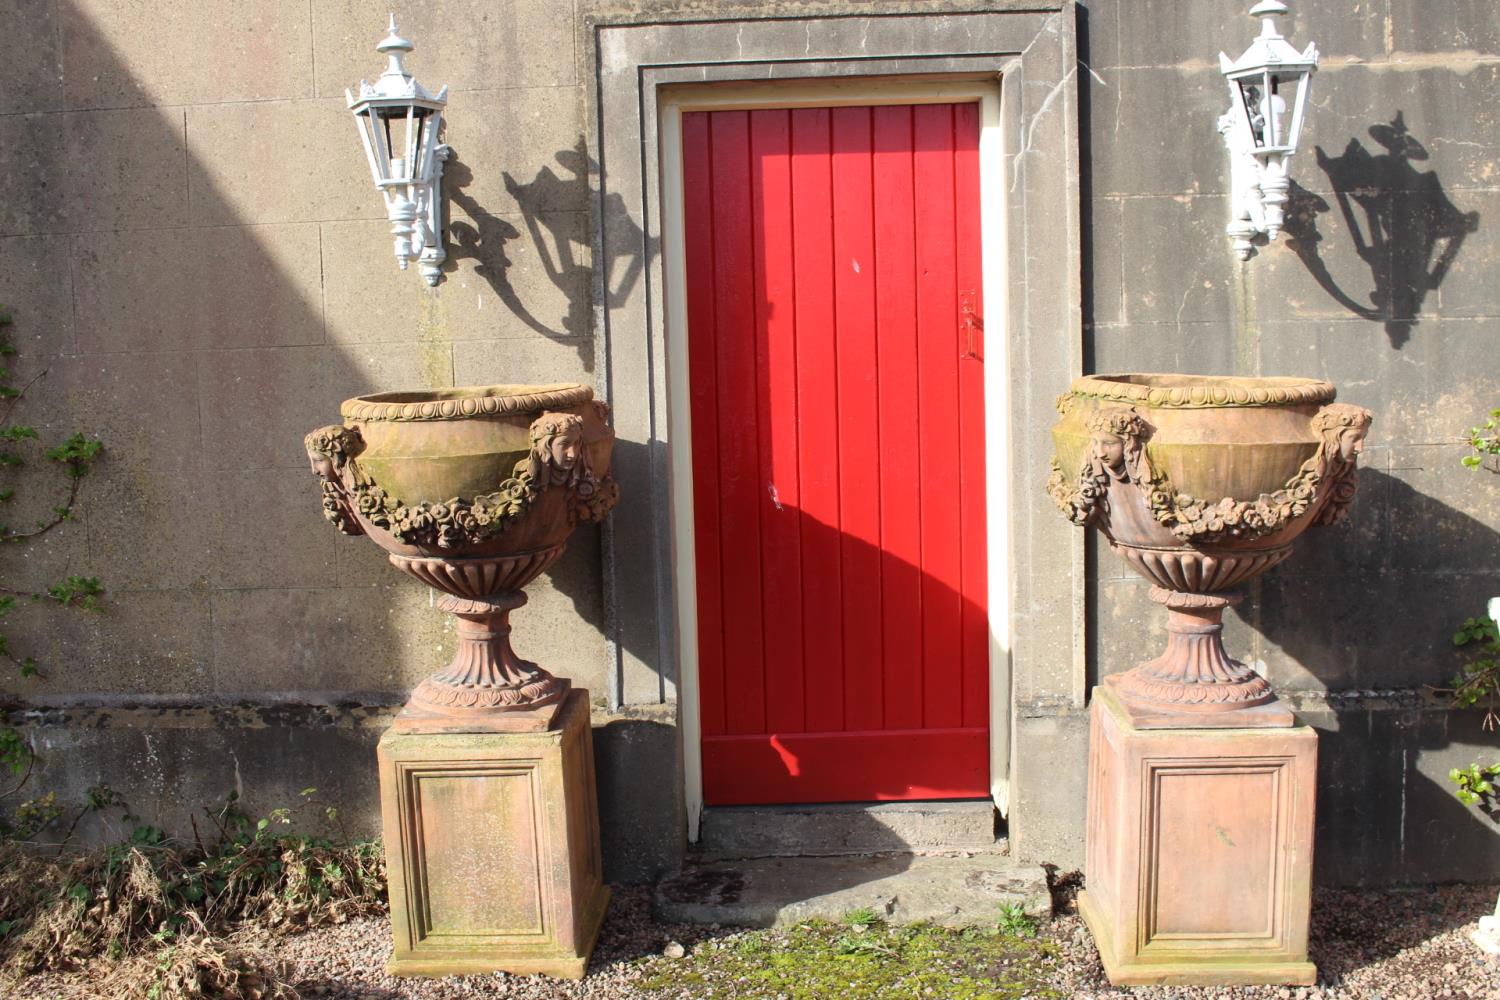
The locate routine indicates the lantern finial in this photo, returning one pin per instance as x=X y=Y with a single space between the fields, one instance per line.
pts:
x=1268 y=11
x=393 y=45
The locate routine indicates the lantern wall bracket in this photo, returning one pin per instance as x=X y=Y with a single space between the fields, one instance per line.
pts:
x=1262 y=127
x=1248 y=202
x=427 y=242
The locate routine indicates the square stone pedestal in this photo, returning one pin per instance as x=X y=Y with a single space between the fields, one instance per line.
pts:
x=492 y=847
x=1199 y=864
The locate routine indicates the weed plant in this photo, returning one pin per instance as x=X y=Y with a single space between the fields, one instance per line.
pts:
x=179 y=919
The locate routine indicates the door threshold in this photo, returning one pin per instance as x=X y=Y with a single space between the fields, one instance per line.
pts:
x=898 y=888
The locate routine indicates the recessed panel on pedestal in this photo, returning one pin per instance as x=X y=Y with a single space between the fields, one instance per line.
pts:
x=475 y=851
x=1213 y=840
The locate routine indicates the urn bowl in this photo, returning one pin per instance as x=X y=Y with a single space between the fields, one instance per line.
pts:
x=442 y=448
x=473 y=491
x=1202 y=483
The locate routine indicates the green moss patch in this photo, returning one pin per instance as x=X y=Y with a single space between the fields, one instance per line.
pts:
x=855 y=961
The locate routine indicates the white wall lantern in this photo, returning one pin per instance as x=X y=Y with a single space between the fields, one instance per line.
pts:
x=399 y=122
x=1268 y=88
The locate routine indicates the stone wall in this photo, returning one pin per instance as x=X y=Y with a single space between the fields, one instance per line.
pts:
x=194 y=254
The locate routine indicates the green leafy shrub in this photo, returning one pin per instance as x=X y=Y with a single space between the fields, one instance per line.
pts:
x=1475 y=784
x=1016 y=922
x=76 y=456
x=1477 y=684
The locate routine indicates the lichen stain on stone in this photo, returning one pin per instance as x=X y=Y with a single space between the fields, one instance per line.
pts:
x=717 y=887
x=432 y=336
x=1445 y=418
x=239 y=716
x=1245 y=324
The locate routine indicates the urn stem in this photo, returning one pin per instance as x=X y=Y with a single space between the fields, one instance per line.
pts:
x=1194 y=673
x=485 y=672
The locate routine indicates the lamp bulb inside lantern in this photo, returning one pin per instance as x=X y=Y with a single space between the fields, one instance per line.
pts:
x=1276 y=106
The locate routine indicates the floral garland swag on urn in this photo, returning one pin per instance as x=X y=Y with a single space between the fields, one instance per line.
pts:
x=1201 y=484
x=474 y=492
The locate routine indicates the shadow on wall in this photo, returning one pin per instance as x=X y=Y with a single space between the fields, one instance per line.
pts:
x=1403 y=224
x=1387 y=812
x=1426 y=567
x=201 y=365
x=201 y=361
x=562 y=248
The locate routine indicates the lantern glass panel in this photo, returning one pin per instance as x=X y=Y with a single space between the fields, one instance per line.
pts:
x=1250 y=102
x=1296 y=91
x=397 y=135
x=1277 y=118
x=1270 y=104
x=375 y=150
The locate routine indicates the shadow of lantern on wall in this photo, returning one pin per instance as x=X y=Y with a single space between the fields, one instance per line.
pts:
x=1404 y=226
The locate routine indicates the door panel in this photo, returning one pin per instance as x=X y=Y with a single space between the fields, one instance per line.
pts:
x=835 y=333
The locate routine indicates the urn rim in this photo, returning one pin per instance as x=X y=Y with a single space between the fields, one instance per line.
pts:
x=463 y=402
x=1175 y=390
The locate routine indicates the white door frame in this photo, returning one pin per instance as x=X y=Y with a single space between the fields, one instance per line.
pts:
x=993 y=194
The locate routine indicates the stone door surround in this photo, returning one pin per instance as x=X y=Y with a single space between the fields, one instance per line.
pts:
x=1031 y=50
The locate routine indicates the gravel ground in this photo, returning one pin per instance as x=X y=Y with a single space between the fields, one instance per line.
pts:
x=1401 y=945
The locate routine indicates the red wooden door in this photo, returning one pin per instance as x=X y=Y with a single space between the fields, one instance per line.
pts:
x=834 y=338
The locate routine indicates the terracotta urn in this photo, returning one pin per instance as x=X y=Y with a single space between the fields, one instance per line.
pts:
x=474 y=492
x=1201 y=483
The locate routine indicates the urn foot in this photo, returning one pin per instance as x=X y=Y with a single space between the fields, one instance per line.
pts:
x=486 y=679
x=1194 y=683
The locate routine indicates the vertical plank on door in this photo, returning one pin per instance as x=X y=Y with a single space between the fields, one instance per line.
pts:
x=859 y=416
x=937 y=388
x=779 y=494
x=896 y=358
x=698 y=247
x=974 y=635
x=817 y=419
x=736 y=314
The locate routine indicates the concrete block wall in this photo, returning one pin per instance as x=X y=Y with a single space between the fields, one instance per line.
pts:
x=193 y=251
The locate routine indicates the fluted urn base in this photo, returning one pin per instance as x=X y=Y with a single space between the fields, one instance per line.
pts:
x=1194 y=682
x=486 y=673
x=486 y=687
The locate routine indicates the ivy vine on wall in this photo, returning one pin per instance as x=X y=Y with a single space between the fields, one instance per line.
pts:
x=75 y=456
